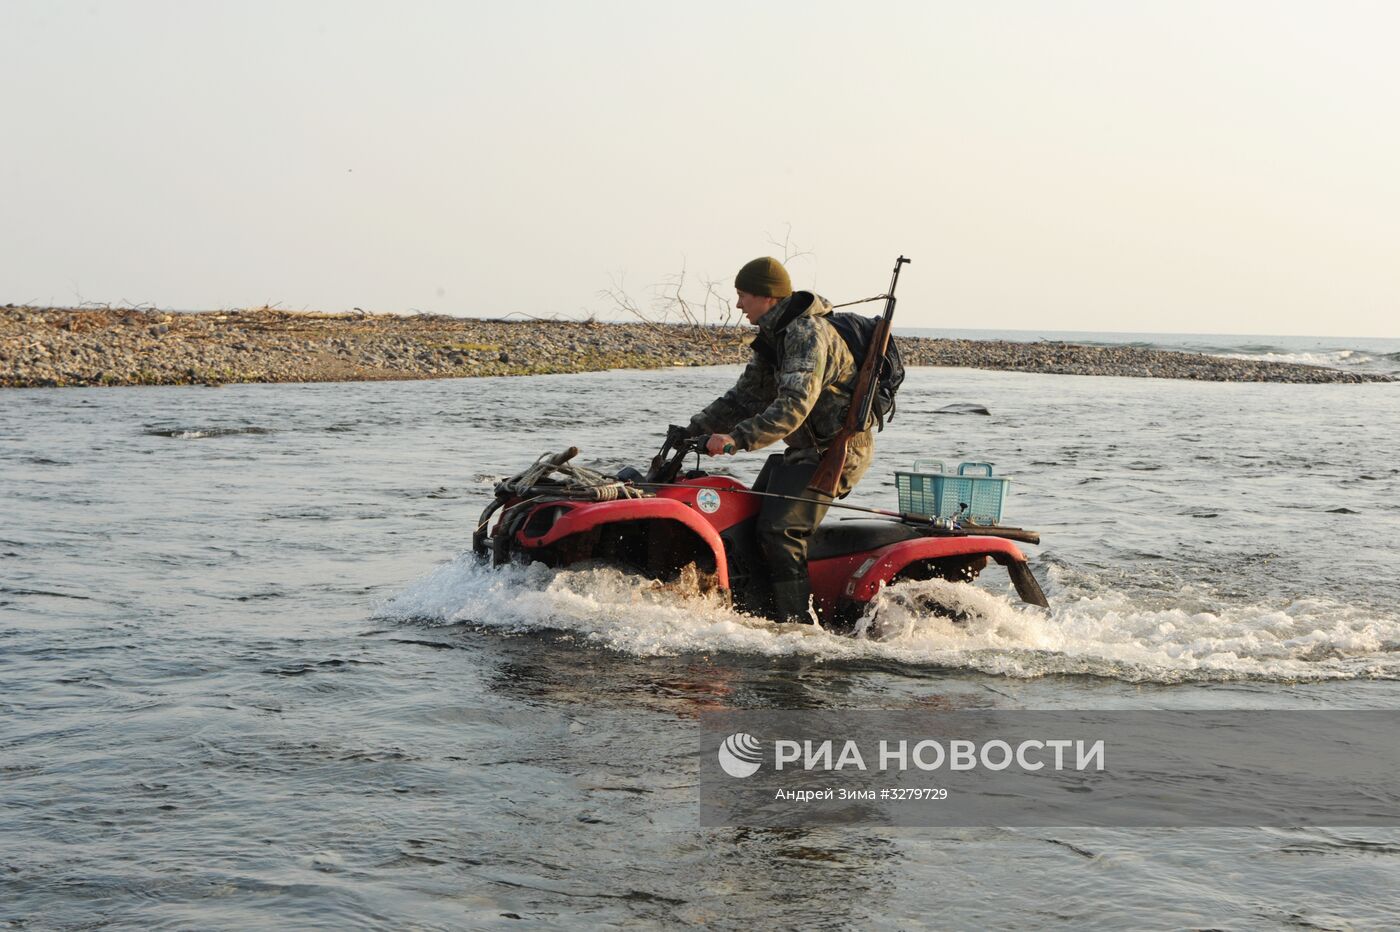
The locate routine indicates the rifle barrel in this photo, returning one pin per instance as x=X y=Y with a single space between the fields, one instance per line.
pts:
x=924 y=521
x=828 y=475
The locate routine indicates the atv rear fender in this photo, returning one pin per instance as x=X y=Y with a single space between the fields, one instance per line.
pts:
x=859 y=577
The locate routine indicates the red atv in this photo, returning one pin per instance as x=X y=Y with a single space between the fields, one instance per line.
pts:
x=700 y=527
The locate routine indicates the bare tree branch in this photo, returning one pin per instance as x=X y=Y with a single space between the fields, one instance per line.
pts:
x=714 y=291
x=617 y=293
x=677 y=301
x=790 y=249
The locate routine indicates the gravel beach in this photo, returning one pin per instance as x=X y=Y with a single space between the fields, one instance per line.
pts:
x=47 y=347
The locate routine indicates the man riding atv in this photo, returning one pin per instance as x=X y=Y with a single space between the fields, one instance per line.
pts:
x=706 y=528
x=797 y=387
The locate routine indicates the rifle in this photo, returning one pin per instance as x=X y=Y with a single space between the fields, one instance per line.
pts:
x=828 y=474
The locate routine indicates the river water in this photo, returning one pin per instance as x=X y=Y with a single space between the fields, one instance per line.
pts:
x=247 y=678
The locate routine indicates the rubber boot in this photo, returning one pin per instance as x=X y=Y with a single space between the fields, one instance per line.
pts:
x=792 y=600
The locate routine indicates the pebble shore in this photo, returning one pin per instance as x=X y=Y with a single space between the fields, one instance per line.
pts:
x=48 y=347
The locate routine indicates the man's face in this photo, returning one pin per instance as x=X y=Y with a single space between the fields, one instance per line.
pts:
x=754 y=306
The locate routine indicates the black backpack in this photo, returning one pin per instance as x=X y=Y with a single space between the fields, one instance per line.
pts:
x=858 y=331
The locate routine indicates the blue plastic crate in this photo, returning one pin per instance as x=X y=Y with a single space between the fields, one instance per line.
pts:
x=928 y=490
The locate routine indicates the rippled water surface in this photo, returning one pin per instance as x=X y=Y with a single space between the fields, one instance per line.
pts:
x=246 y=678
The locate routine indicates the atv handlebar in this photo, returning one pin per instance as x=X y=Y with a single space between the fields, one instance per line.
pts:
x=678 y=436
x=666 y=465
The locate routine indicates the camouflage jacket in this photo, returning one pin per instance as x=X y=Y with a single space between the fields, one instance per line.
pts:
x=801 y=396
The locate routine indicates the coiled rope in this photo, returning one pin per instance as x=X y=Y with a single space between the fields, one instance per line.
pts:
x=554 y=473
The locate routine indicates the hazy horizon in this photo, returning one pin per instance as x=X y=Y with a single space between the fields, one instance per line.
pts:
x=1214 y=168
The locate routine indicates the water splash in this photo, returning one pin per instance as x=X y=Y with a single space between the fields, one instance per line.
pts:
x=1091 y=631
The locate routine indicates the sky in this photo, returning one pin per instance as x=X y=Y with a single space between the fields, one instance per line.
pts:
x=1227 y=166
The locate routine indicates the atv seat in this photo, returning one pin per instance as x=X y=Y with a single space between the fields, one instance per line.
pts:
x=839 y=538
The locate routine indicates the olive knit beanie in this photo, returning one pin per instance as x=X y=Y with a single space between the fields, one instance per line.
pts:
x=764 y=277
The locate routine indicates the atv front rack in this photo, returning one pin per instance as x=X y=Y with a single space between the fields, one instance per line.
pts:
x=551 y=478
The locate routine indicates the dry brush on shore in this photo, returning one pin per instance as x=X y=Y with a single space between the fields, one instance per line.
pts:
x=104 y=346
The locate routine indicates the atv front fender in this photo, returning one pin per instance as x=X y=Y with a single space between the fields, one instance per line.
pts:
x=585 y=518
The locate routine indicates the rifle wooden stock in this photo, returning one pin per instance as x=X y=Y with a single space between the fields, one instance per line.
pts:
x=828 y=475
x=829 y=470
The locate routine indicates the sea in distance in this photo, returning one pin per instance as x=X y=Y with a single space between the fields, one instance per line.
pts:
x=249 y=676
x=1375 y=355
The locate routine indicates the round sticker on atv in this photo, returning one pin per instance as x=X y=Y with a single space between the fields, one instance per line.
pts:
x=708 y=500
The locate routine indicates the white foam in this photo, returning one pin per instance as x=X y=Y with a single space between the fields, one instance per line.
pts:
x=1333 y=359
x=1103 y=633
